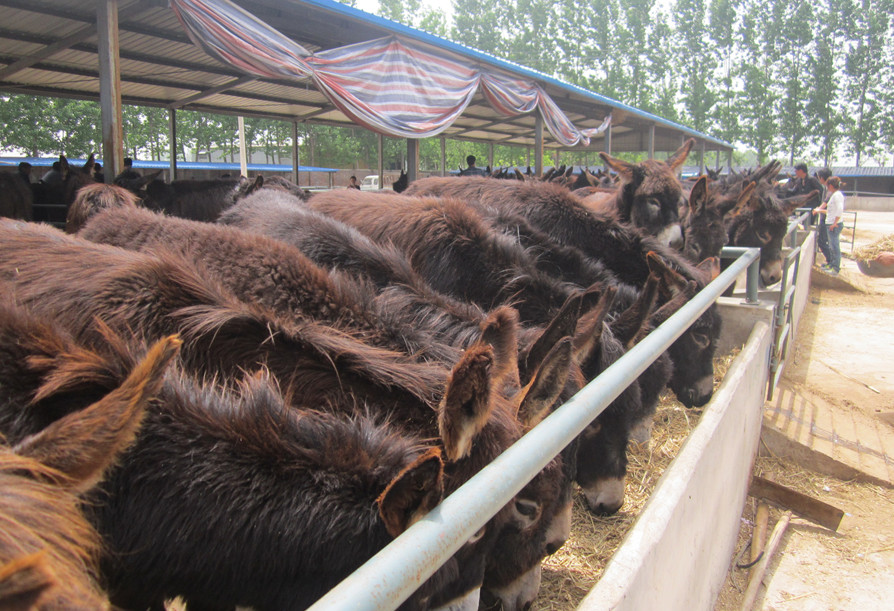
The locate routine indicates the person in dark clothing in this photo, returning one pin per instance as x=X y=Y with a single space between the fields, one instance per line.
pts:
x=353 y=184
x=803 y=184
x=822 y=236
x=472 y=170
x=25 y=172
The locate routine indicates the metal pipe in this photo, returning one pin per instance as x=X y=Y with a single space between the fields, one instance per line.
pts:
x=392 y=575
x=752 y=277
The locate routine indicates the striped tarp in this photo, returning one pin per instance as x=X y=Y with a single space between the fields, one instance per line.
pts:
x=392 y=85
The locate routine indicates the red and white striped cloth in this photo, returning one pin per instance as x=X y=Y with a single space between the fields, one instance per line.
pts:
x=393 y=86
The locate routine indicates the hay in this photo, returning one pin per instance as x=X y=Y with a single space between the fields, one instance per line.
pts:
x=871 y=251
x=573 y=570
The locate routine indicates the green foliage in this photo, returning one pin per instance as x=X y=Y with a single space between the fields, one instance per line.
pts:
x=51 y=126
x=782 y=79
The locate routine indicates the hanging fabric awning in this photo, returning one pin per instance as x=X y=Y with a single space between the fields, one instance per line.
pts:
x=391 y=85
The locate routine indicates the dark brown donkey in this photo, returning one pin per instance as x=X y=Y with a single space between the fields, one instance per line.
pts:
x=648 y=195
x=451 y=246
x=79 y=281
x=49 y=553
x=207 y=460
x=621 y=248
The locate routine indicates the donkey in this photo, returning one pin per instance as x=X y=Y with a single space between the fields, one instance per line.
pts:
x=759 y=218
x=49 y=553
x=618 y=246
x=200 y=200
x=16 y=198
x=453 y=249
x=648 y=195
x=220 y=483
x=60 y=276
x=90 y=199
x=268 y=272
x=378 y=482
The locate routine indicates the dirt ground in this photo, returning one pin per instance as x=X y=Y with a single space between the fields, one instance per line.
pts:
x=843 y=348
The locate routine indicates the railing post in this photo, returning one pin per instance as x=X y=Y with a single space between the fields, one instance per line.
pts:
x=751 y=282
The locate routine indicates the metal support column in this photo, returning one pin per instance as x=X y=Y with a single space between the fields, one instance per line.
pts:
x=380 y=150
x=172 y=138
x=652 y=141
x=412 y=159
x=538 y=145
x=243 y=153
x=295 y=154
x=110 y=87
x=608 y=144
x=490 y=156
x=701 y=158
x=443 y=156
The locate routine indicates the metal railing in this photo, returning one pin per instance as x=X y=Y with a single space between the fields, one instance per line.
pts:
x=395 y=572
x=783 y=324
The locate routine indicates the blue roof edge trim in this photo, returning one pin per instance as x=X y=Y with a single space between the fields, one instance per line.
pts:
x=432 y=39
x=146 y=164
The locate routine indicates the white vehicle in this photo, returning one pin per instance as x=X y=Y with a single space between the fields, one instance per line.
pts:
x=370 y=183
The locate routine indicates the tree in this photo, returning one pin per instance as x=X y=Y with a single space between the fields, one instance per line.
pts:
x=796 y=32
x=26 y=119
x=868 y=75
x=758 y=96
x=822 y=117
x=697 y=61
x=480 y=25
x=722 y=23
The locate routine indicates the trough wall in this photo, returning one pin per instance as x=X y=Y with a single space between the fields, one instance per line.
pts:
x=677 y=554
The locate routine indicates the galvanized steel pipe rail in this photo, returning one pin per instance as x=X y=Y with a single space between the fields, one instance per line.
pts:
x=392 y=575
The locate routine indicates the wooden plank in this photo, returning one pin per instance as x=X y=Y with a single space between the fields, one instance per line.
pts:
x=801 y=504
x=757 y=576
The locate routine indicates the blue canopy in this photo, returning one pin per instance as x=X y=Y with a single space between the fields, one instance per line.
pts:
x=164 y=165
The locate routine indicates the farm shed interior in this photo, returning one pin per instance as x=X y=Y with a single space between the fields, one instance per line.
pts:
x=68 y=48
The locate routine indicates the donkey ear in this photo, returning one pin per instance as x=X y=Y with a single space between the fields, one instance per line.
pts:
x=620 y=166
x=589 y=329
x=672 y=282
x=88 y=166
x=710 y=268
x=84 y=444
x=630 y=325
x=500 y=330
x=672 y=305
x=467 y=402
x=676 y=160
x=536 y=399
x=145 y=180
x=789 y=204
x=413 y=493
x=23 y=581
x=562 y=324
x=747 y=200
x=698 y=197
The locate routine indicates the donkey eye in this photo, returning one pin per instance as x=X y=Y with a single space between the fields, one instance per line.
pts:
x=701 y=339
x=477 y=536
x=526 y=508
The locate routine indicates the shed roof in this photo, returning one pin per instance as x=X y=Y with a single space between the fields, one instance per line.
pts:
x=49 y=47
